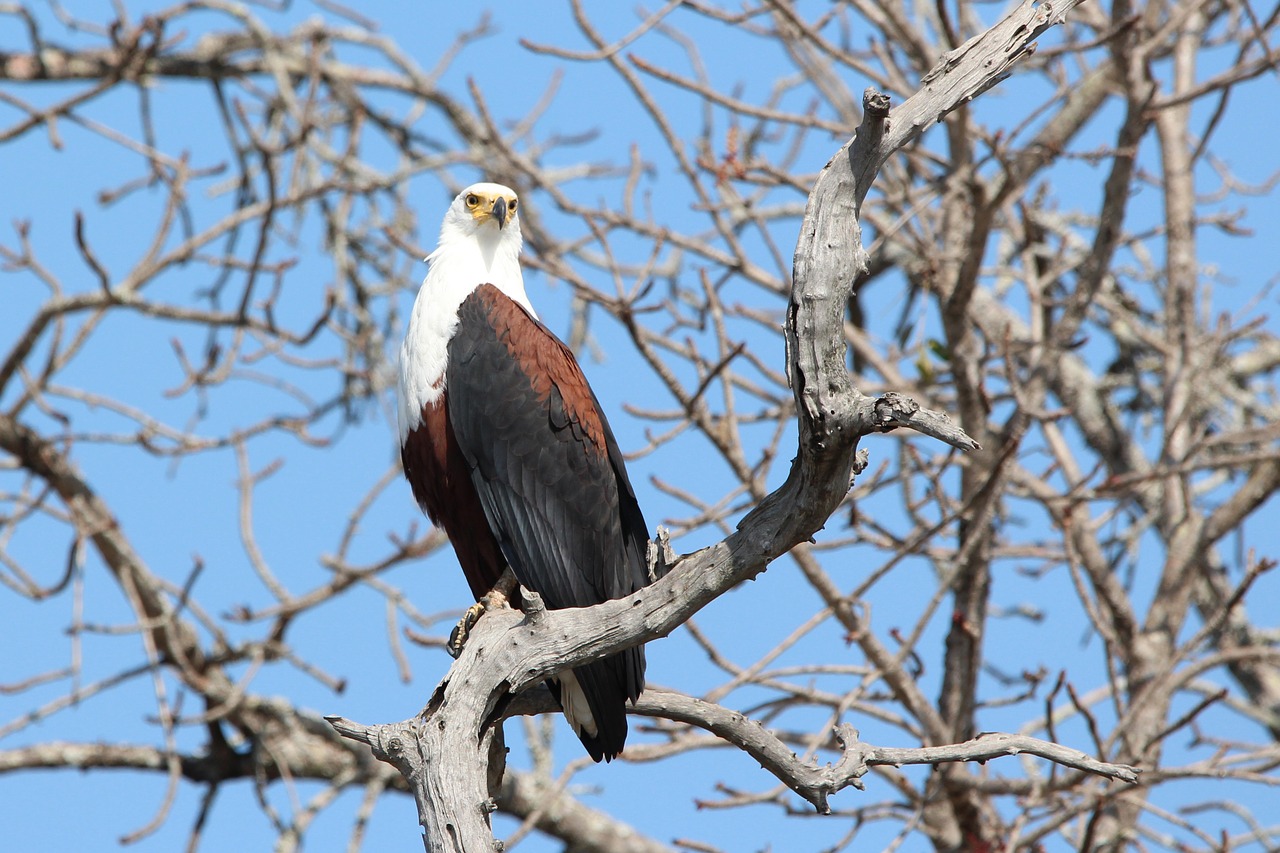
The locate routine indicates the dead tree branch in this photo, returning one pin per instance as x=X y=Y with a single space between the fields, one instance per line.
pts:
x=438 y=751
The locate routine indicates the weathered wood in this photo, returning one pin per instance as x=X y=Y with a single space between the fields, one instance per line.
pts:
x=442 y=753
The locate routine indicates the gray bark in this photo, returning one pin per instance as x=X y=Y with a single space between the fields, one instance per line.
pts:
x=441 y=752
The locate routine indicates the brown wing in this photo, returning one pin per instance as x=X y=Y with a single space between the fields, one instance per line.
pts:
x=441 y=483
x=550 y=479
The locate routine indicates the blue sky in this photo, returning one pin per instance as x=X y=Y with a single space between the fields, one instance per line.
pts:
x=175 y=516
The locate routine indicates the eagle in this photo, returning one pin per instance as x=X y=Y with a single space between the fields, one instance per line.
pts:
x=507 y=449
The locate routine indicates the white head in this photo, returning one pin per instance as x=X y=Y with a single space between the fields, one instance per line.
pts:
x=484 y=218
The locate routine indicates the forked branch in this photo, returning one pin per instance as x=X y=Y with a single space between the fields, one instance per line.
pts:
x=443 y=753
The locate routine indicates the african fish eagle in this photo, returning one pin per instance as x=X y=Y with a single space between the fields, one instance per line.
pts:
x=507 y=449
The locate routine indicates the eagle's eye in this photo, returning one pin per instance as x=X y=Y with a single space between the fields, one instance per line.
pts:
x=511 y=206
x=472 y=199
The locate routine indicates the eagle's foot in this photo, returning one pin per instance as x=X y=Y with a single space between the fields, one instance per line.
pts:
x=496 y=599
x=458 y=636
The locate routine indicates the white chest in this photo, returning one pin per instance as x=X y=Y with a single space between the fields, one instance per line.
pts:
x=456 y=270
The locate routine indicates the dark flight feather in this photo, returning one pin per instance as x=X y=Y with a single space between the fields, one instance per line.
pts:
x=551 y=481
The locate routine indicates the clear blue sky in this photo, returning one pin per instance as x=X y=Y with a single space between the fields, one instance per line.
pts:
x=174 y=515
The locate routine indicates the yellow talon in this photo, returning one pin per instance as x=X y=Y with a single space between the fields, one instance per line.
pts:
x=458 y=636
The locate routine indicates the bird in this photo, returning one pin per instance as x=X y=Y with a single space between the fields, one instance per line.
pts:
x=506 y=448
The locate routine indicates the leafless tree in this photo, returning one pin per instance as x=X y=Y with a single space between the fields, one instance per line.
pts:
x=235 y=202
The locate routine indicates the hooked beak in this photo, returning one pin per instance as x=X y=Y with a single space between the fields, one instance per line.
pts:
x=500 y=211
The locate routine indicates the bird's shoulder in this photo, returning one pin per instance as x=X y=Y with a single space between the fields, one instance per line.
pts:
x=548 y=364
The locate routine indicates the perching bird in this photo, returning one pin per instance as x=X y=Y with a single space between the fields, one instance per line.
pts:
x=507 y=449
